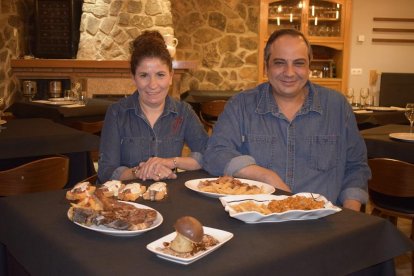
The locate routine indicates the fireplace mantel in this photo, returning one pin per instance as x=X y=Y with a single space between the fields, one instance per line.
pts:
x=83 y=69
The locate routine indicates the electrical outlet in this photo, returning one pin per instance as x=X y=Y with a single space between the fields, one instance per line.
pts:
x=356 y=71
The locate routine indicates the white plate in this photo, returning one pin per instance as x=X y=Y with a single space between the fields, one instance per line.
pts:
x=403 y=136
x=193 y=185
x=220 y=235
x=381 y=108
x=2 y=122
x=256 y=217
x=124 y=233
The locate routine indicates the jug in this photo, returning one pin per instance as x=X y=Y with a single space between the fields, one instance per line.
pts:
x=171 y=43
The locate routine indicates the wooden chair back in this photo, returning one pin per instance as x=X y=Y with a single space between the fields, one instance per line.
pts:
x=209 y=112
x=90 y=127
x=50 y=173
x=392 y=177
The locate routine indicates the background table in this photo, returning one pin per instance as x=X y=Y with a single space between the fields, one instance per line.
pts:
x=379 y=144
x=380 y=118
x=29 y=139
x=94 y=110
x=339 y=244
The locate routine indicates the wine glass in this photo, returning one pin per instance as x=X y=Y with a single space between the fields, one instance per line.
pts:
x=364 y=93
x=350 y=95
x=409 y=113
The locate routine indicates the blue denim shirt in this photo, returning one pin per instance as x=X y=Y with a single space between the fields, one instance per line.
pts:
x=128 y=139
x=320 y=150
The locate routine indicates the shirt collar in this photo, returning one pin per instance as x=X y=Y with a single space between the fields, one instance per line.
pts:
x=267 y=104
x=170 y=105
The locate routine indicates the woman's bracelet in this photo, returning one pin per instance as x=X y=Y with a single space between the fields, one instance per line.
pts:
x=175 y=165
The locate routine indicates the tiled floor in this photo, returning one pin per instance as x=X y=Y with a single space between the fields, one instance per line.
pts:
x=403 y=263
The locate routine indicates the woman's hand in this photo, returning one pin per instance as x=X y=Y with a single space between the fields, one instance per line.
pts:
x=156 y=168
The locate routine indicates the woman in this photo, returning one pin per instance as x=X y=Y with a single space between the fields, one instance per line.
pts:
x=144 y=134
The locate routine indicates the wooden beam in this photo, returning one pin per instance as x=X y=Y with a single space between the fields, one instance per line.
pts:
x=393 y=40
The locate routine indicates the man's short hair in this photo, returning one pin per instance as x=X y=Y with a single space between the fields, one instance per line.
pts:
x=278 y=33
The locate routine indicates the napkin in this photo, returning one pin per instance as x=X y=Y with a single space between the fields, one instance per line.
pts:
x=363 y=111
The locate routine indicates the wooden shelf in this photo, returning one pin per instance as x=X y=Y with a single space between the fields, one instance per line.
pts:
x=393 y=40
x=392 y=30
x=393 y=19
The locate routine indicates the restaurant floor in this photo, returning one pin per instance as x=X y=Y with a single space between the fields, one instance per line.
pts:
x=403 y=262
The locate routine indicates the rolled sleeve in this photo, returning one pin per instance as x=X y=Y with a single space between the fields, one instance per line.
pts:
x=238 y=163
x=198 y=157
x=357 y=194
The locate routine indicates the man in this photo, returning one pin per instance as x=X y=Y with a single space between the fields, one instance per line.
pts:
x=290 y=133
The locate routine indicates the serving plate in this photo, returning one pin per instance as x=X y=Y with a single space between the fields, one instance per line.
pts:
x=193 y=185
x=221 y=235
x=404 y=136
x=256 y=217
x=123 y=233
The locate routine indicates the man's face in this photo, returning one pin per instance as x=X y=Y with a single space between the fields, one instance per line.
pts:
x=288 y=66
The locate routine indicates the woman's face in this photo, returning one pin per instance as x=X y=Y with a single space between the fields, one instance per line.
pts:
x=152 y=79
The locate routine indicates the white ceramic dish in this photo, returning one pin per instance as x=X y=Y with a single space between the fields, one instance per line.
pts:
x=193 y=185
x=220 y=235
x=381 y=108
x=404 y=136
x=124 y=233
x=256 y=217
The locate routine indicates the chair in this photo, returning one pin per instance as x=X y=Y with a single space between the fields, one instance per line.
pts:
x=209 y=112
x=49 y=173
x=90 y=127
x=392 y=191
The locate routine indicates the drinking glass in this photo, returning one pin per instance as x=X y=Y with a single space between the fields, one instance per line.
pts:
x=350 y=95
x=409 y=113
x=2 y=107
x=364 y=93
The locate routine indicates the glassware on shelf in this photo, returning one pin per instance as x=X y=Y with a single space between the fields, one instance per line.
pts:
x=350 y=95
x=364 y=93
x=409 y=114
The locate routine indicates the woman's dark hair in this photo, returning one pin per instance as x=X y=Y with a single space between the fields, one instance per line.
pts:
x=150 y=44
x=278 y=33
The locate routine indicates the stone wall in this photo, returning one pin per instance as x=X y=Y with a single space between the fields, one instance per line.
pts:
x=12 y=43
x=223 y=36
x=108 y=26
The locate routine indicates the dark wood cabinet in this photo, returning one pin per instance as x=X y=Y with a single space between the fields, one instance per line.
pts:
x=57 y=25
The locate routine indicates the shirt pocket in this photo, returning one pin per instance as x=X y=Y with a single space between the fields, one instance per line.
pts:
x=170 y=146
x=323 y=152
x=135 y=150
x=265 y=149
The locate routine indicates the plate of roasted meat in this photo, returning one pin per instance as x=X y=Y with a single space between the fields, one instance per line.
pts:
x=278 y=208
x=227 y=185
x=95 y=210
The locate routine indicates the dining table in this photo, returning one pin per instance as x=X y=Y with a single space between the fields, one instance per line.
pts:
x=373 y=118
x=381 y=145
x=344 y=243
x=24 y=140
x=93 y=110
